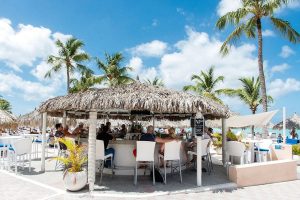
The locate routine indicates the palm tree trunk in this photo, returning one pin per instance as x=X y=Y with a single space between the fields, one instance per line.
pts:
x=261 y=67
x=68 y=80
x=252 y=127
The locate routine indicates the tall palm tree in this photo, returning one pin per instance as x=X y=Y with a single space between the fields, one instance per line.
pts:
x=205 y=84
x=248 y=20
x=156 y=81
x=249 y=94
x=70 y=58
x=87 y=80
x=5 y=105
x=113 y=73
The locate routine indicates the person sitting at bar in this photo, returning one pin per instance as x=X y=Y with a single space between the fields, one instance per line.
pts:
x=171 y=137
x=122 y=132
x=108 y=125
x=100 y=129
x=149 y=136
x=59 y=134
x=66 y=131
x=78 y=130
x=105 y=136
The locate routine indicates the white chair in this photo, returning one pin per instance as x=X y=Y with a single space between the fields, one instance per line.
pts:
x=144 y=153
x=263 y=150
x=234 y=149
x=171 y=153
x=205 y=153
x=4 y=159
x=100 y=156
x=21 y=148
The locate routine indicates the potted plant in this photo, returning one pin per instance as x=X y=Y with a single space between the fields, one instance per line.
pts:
x=296 y=153
x=217 y=142
x=74 y=176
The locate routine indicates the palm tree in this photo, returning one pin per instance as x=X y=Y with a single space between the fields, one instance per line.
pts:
x=248 y=20
x=113 y=73
x=156 y=81
x=205 y=84
x=249 y=94
x=5 y=105
x=70 y=58
x=86 y=81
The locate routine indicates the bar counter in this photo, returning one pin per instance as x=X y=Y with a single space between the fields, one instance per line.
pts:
x=124 y=153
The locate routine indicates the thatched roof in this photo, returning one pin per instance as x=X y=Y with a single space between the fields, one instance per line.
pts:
x=7 y=120
x=293 y=121
x=34 y=119
x=134 y=97
x=6 y=117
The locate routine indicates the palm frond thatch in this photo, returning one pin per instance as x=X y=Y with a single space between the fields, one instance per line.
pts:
x=135 y=96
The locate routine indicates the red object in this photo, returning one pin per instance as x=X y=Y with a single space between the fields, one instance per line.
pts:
x=134 y=152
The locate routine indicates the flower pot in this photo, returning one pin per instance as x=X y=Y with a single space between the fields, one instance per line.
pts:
x=297 y=158
x=75 y=181
x=219 y=150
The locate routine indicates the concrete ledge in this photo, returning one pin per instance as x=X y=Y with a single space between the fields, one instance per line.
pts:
x=263 y=173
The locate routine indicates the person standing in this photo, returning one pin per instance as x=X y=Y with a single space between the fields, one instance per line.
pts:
x=105 y=136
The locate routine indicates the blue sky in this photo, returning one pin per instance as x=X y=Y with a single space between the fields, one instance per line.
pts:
x=171 y=39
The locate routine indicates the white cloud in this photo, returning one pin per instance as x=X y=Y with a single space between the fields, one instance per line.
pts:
x=136 y=64
x=154 y=48
x=280 y=68
x=226 y=6
x=140 y=70
x=286 y=51
x=60 y=36
x=268 y=33
x=24 y=45
x=198 y=52
x=279 y=87
x=11 y=84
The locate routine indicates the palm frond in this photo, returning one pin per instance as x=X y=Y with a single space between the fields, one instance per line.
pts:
x=286 y=29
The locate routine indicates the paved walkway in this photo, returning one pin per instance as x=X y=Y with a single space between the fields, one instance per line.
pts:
x=14 y=187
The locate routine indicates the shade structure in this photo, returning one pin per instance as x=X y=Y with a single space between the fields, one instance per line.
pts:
x=137 y=96
x=237 y=121
x=34 y=119
x=7 y=120
x=123 y=101
x=291 y=122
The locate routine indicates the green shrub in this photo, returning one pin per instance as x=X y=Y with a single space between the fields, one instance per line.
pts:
x=231 y=136
x=296 y=149
x=217 y=140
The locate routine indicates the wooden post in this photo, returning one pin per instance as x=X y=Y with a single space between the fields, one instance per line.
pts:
x=92 y=149
x=64 y=120
x=199 y=161
x=284 y=124
x=224 y=138
x=44 y=127
x=153 y=122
